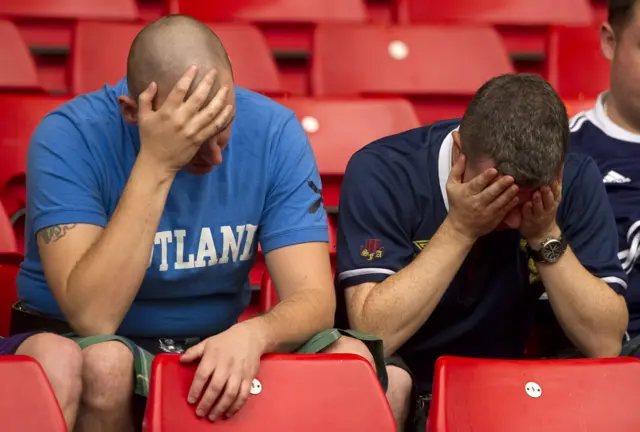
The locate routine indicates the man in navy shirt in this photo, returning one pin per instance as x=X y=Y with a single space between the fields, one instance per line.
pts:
x=146 y=203
x=610 y=134
x=438 y=224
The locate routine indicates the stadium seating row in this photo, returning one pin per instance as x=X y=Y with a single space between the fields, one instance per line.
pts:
x=410 y=61
x=298 y=392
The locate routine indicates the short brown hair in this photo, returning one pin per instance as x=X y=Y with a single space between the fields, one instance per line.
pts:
x=620 y=13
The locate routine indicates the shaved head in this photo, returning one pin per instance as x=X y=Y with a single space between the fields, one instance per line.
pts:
x=165 y=49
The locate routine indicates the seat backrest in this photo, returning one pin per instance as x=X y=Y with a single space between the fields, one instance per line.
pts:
x=19 y=116
x=18 y=70
x=575 y=106
x=70 y=9
x=497 y=12
x=406 y=60
x=276 y=11
x=575 y=66
x=334 y=141
x=100 y=49
x=589 y=395
x=27 y=402
x=323 y=392
x=7 y=238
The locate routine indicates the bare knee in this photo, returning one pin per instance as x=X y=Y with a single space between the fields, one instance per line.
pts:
x=399 y=393
x=61 y=360
x=349 y=345
x=107 y=375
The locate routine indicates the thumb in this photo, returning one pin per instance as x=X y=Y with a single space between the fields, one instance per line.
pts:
x=193 y=353
x=145 y=100
x=457 y=171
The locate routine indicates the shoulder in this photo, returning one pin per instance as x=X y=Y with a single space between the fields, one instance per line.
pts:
x=579 y=168
x=256 y=112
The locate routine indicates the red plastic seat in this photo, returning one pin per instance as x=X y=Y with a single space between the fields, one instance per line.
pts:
x=18 y=71
x=575 y=106
x=523 y=23
x=19 y=116
x=27 y=402
x=268 y=294
x=287 y=23
x=586 y=395
x=311 y=393
x=438 y=67
x=70 y=9
x=10 y=260
x=333 y=143
x=100 y=52
x=575 y=65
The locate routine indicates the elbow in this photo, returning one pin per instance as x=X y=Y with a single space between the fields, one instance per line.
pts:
x=90 y=324
x=606 y=348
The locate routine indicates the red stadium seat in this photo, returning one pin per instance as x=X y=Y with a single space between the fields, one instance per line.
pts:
x=438 y=67
x=10 y=260
x=285 y=22
x=18 y=70
x=575 y=65
x=333 y=143
x=523 y=23
x=27 y=402
x=311 y=393
x=70 y=9
x=19 y=116
x=589 y=395
x=100 y=52
x=576 y=106
x=268 y=294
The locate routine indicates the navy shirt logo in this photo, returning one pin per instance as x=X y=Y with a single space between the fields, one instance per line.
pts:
x=372 y=249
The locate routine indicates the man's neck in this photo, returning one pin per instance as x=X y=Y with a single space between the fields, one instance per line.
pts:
x=616 y=115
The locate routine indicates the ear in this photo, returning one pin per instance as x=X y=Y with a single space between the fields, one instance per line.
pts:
x=129 y=109
x=607 y=41
x=457 y=146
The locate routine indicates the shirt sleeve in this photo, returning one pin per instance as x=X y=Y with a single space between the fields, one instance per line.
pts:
x=293 y=212
x=62 y=185
x=587 y=221
x=374 y=240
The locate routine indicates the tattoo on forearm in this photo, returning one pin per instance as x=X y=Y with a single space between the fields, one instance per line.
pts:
x=54 y=233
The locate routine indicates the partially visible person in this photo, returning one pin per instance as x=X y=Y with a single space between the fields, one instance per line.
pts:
x=146 y=203
x=61 y=361
x=610 y=134
x=437 y=227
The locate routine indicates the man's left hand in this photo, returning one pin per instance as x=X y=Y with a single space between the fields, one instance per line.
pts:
x=229 y=362
x=539 y=215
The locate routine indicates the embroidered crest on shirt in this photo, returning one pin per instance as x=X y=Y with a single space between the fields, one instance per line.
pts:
x=372 y=249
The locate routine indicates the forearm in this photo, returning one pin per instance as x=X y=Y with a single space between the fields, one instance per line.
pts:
x=103 y=284
x=593 y=316
x=396 y=308
x=295 y=320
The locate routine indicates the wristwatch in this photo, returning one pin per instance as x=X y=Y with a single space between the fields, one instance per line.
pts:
x=550 y=251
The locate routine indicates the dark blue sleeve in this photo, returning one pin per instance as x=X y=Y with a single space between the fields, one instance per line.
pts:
x=586 y=219
x=293 y=211
x=62 y=185
x=374 y=239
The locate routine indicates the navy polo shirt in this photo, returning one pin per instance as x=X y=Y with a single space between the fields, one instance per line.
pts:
x=394 y=199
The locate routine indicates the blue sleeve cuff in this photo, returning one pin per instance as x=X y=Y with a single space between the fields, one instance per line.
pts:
x=68 y=217
x=356 y=277
x=617 y=284
x=289 y=237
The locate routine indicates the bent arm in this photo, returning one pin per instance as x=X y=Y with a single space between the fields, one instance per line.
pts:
x=396 y=308
x=302 y=276
x=95 y=274
x=593 y=316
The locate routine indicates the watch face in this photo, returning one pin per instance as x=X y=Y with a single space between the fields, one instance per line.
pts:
x=552 y=250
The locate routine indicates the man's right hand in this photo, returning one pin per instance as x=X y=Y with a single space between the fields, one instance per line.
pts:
x=477 y=207
x=172 y=134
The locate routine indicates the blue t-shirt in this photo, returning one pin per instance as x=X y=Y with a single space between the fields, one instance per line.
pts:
x=617 y=154
x=394 y=199
x=79 y=160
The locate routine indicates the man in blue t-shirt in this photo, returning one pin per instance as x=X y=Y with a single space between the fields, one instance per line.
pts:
x=438 y=226
x=144 y=220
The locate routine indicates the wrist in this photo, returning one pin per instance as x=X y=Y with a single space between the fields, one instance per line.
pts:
x=536 y=241
x=153 y=170
x=259 y=328
x=456 y=234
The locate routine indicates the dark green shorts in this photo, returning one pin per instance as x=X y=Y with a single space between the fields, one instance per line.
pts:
x=145 y=349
